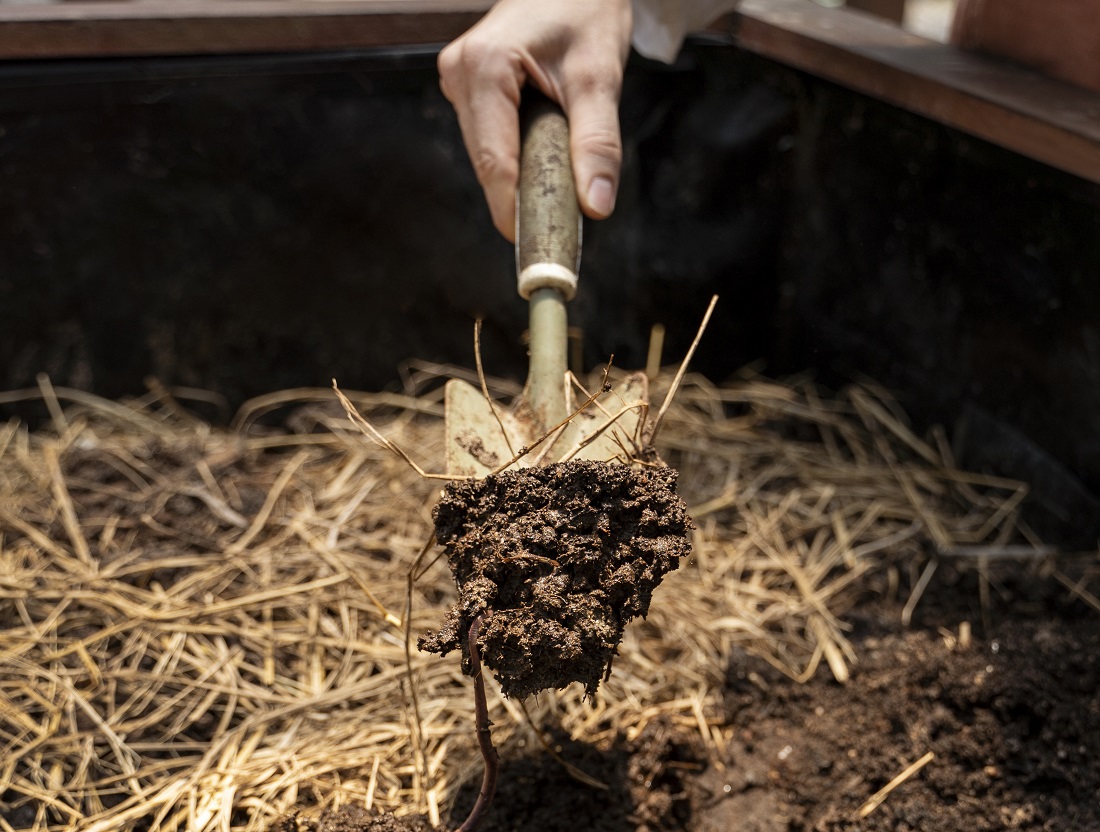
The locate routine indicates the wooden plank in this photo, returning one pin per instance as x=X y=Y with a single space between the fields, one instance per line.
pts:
x=203 y=27
x=1047 y=120
x=890 y=9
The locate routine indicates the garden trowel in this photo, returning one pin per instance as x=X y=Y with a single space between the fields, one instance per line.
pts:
x=555 y=419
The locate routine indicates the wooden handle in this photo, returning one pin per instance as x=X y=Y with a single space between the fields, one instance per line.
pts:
x=548 y=236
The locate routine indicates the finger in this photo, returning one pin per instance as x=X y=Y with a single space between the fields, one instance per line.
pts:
x=491 y=133
x=592 y=107
x=483 y=85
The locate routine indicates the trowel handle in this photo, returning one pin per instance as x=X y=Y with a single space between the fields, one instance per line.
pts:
x=548 y=218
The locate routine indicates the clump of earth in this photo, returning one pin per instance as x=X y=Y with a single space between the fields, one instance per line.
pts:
x=355 y=819
x=557 y=560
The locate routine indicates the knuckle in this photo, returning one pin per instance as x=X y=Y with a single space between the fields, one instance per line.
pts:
x=449 y=59
x=469 y=57
x=494 y=168
x=601 y=78
x=603 y=143
x=478 y=55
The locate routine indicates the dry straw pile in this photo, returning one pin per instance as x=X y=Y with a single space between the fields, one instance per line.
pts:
x=201 y=628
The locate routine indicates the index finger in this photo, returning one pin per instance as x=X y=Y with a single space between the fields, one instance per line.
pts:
x=485 y=94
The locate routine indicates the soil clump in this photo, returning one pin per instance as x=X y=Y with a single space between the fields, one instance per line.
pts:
x=355 y=819
x=558 y=559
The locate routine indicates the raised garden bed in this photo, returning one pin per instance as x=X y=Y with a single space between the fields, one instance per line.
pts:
x=208 y=628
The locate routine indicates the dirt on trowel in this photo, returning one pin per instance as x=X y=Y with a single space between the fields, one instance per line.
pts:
x=557 y=560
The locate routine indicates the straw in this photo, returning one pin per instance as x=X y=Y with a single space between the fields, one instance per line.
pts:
x=200 y=627
x=877 y=799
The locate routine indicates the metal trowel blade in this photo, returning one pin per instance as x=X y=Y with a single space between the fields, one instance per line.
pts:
x=610 y=428
x=476 y=441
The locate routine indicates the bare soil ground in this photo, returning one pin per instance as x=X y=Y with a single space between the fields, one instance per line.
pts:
x=1012 y=719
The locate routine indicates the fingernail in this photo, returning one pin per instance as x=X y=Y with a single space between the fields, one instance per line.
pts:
x=601 y=196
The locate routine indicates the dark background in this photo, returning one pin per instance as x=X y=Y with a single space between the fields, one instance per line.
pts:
x=249 y=224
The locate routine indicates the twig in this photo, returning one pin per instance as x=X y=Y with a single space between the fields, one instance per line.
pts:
x=370 y=430
x=875 y=800
x=570 y=769
x=485 y=386
x=653 y=354
x=667 y=403
x=596 y=434
x=484 y=737
x=1077 y=589
x=57 y=415
x=522 y=452
x=65 y=503
x=918 y=591
x=261 y=518
x=410 y=580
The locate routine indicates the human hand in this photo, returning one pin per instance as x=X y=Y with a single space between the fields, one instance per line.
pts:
x=573 y=51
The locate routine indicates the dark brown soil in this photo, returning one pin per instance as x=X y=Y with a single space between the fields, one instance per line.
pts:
x=647 y=786
x=557 y=559
x=1013 y=721
x=355 y=819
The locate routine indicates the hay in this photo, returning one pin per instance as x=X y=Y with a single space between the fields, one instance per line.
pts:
x=202 y=628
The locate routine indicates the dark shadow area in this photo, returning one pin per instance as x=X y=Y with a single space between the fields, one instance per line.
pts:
x=645 y=780
x=535 y=792
x=249 y=224
x=957 y=274
x=253 y=224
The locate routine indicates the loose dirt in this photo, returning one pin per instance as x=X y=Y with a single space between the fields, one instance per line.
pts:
x=1013 y=720
x=558 y=559
x=355 y=819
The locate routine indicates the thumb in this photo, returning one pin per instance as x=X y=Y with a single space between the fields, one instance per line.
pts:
x=596 y=148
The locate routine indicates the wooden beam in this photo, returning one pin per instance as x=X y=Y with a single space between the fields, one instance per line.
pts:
x=1047 y=120
x=890 y=9
x=204 y=27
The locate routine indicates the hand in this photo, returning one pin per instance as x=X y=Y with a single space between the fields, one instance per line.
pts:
x=574 y=52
